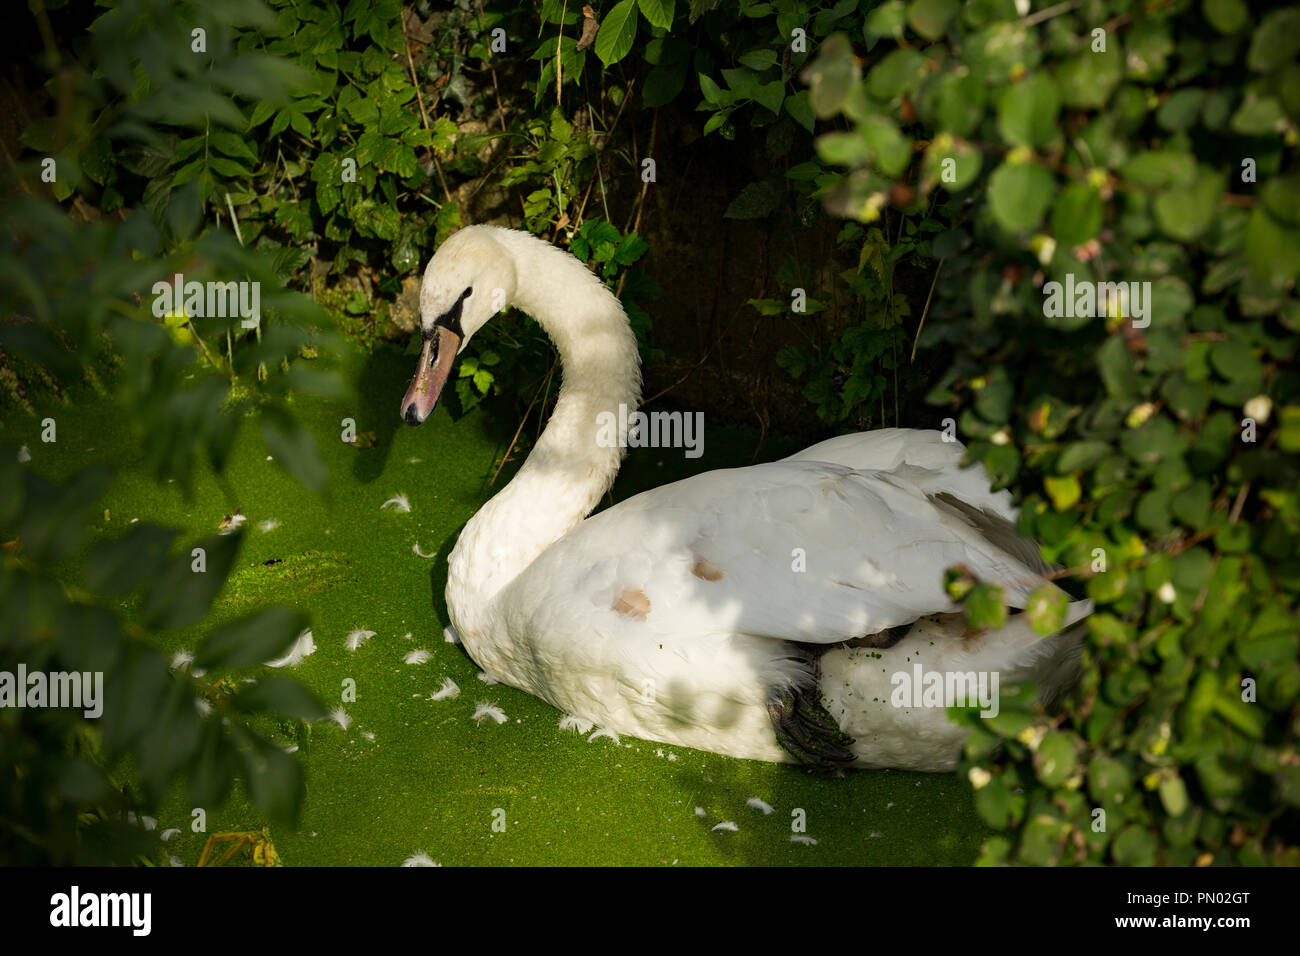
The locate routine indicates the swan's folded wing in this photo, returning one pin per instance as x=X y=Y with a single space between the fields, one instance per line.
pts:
x=932 y=464
x=795 y=550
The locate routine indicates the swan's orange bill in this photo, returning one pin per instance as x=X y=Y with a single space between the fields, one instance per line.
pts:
x=436 y=359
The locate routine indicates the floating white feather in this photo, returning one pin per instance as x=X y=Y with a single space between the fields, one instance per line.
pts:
x=486 y=709
x=800 y=838
x=415 y=549
x=448 y=691
x=358 y=637
x=603 y=732
x=727 y=826
x=417 y=656
x=483 y=676
x=419 y=858
x=758 y=804
x=399 y=503
x=302 y=648
x=340 y=717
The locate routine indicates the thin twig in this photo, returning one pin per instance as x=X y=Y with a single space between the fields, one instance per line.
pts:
x=926 y=311
x=506 y=457
x=1239 y=503
x=1050 y=12
x=424 y=116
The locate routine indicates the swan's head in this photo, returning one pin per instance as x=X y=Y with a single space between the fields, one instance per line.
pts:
x=469 y=279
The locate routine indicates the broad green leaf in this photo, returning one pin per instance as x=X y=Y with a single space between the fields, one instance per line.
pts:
x=117 y=566
x=184 y=591
x=617 y=33
x=754 y=202
x=1027 y=111
x=1019 y=194
x=252 y=640
x=658 y=13
x=896 y=74
x=1076 y=215
x=930 y=18
x=280 y=694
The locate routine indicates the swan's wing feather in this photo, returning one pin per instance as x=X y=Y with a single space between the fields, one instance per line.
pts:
x=796 y=550
x=933 y=464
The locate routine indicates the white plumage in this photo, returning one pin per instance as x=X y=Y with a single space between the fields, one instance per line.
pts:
x=680 y=614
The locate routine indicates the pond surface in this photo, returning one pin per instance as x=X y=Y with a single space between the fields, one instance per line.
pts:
x=414 y=774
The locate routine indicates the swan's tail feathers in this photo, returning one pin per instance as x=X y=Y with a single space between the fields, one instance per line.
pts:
x=1053 y=663
x=806 y=730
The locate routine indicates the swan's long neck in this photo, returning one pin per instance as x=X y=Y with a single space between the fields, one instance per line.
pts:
x=569 y=469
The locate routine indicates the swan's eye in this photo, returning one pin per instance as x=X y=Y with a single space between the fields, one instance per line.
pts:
x=467 y=293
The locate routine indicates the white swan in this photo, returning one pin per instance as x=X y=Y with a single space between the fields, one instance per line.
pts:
x=714 y=612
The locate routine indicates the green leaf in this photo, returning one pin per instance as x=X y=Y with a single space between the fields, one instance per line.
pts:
x=252 y=640
x=274 y=779
x=1135 y=847
x=1027 y=111
x=930 y=18
x=986 y=607
x=658 y=12
x=1181 y=110
x=1236 y=361
x=1081 y=455
x=1046 y=607
x=886 y=20
x=1019 y=194
x=294 y=449
x=997 y=805
x=896 y=74
x=1076 y=215
x=1276 y=41
x=181 y=595
x=1064 y=491
x=712 y=92
x=770 y=95
x=754 y=202
x=279 y=694
x=890 y=149
x=1057 y=758
x=799 y=106
x=831 y=76
x=1272 y=249
x=1281 y=197
x=1226 y=16
x=759 y=59
x=842 y=149
x=959 y=101
x=116 y=567
x=1186 y=212
x=617 y=33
